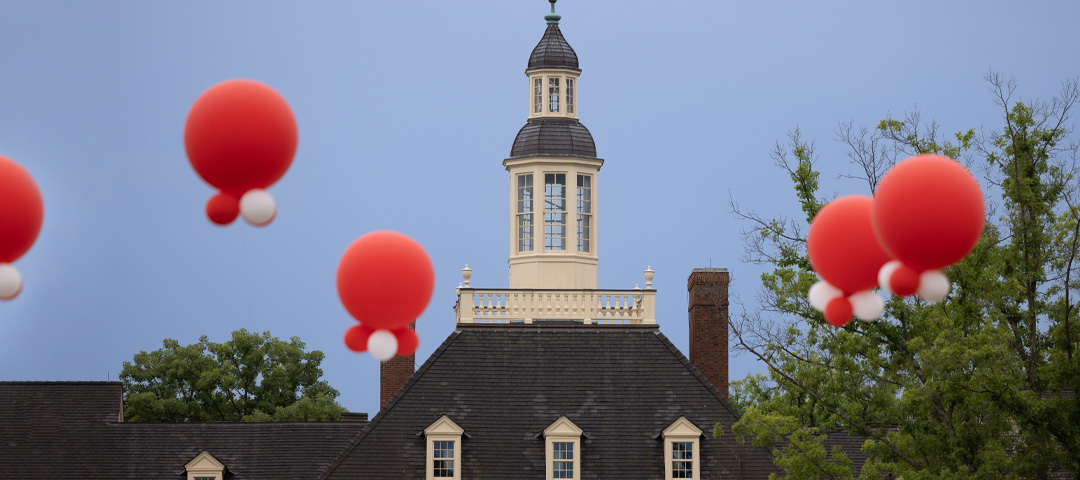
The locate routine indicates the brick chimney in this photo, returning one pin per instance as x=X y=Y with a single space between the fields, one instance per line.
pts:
x=708 y=312
x=394 y=373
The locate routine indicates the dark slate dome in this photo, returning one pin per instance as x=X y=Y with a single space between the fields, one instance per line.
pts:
x=551 y=136
x=553 y=51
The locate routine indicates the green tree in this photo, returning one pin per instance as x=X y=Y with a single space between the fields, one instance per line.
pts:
x=981 y=385
x=250 y=377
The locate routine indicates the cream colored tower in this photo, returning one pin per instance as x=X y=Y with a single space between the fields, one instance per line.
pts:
x=553 y=176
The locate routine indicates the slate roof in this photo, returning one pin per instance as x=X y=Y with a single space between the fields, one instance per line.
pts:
x=623 y=385
x=553 y=51
x=56 y=430
x=553 y=136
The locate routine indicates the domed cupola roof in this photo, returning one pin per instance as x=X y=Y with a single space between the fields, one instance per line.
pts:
x=553 y=51
x=553 y=136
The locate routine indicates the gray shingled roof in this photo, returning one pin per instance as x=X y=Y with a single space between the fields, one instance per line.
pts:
x=550 y=136
x=553 y=51
x=53 y=430
x=623 y=385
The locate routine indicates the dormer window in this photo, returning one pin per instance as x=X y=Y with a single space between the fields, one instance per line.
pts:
x=205 y=467
x=443 y=449
x=682 y=450
x=562 y=442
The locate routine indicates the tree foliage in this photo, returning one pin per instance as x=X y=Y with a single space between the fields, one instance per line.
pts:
x=981 y=385
x=250 y=377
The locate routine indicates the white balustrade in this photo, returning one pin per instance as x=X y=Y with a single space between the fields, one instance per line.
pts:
x=626 y=307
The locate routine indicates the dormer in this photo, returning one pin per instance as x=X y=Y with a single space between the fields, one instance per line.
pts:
x=205 y=467
x=562 y=447
x=682 y=450
x=443 y=438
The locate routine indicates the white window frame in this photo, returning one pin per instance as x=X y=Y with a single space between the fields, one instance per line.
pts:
x=554 y=91
x=569 y=86
x=682 y=431
x=205 y=465
x=526 y=216
x=562 y=431
x=536 y=91
x=579 y=214
x=443 y=430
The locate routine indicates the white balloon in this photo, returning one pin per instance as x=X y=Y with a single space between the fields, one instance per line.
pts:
x=933 y=286
x=382 y=344
x=258 y=207
x=10 y=281
x=886 y=272
x=820 y=294
x=867 y=305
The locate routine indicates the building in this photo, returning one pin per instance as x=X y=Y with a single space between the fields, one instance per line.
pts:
x=550 y=378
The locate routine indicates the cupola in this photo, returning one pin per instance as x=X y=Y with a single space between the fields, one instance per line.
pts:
x=553 y=176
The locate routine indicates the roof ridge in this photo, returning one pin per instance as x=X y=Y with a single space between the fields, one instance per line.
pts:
x=389 y=405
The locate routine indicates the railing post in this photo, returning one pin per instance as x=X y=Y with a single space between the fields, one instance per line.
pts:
x=648 y=304
x=466 y=310
x=530 y=296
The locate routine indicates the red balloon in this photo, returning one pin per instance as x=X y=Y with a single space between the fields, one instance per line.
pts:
x=928 y=212
x=21 y=210
x=407 y=341
x=240 y=135
x=356 y=337
x=838 y=311
x=842 y=247
x=222 y=208
x=385 y=279
x=904 y=281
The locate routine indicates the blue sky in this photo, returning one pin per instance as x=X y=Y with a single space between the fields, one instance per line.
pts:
x=405 y=112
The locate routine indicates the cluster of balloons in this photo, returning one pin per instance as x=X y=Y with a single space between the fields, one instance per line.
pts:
x=240 y=137
x=926 y=214
x=21 y=214
x=385 y=281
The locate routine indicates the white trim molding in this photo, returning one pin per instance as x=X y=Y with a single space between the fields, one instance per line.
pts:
x=205 y=465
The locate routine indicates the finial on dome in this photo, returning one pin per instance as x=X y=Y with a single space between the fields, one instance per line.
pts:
x=552 y=18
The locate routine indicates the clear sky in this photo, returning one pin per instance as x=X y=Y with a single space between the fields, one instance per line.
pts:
x=406 y=110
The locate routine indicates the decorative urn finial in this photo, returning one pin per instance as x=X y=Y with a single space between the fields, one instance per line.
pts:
x=466 y=274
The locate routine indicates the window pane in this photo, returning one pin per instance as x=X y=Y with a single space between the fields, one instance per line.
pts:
x=553 y=94
x=682 y=465
x=569 y=95
x=584 y=207
x=524 y=210
x=563 y=466
x=443 y=454
x=555 y=211
x=538 y=94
